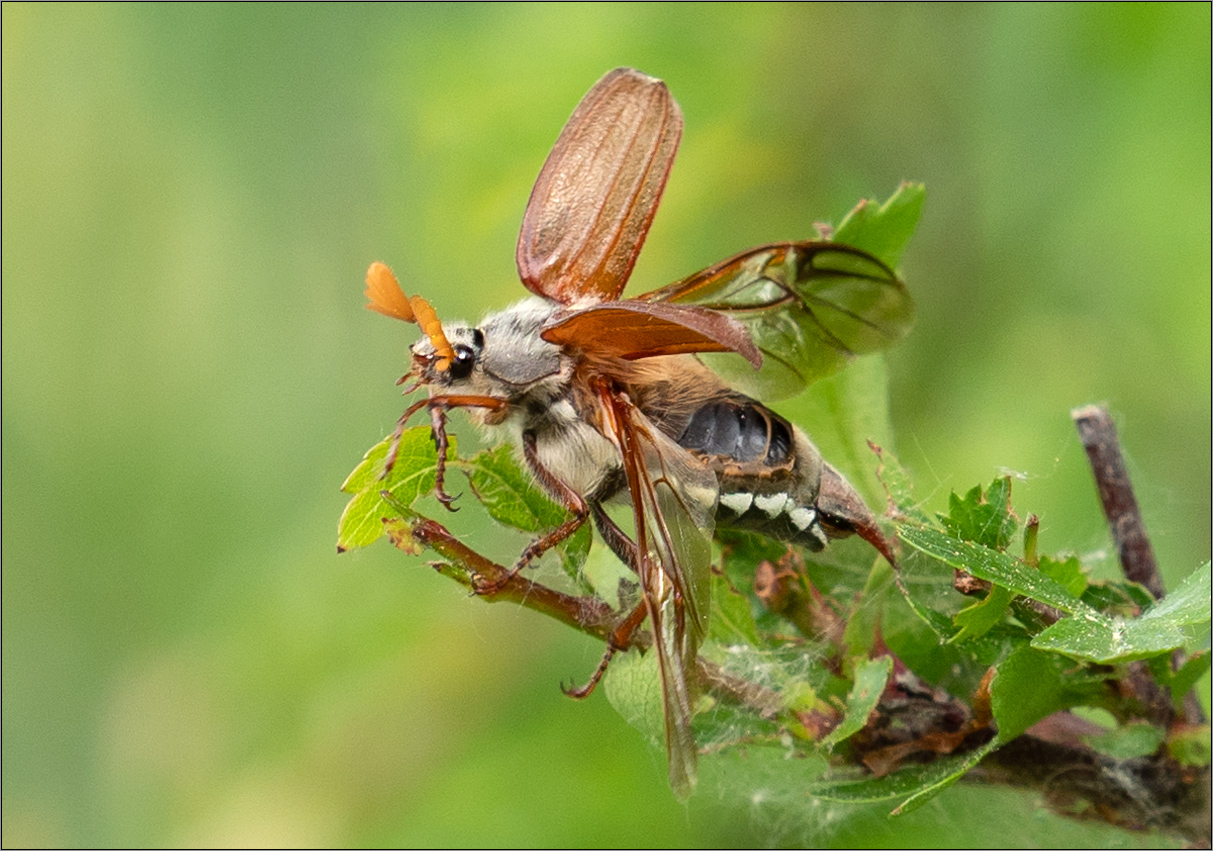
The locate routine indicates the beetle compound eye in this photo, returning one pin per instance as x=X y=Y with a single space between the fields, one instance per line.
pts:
x=464 y=360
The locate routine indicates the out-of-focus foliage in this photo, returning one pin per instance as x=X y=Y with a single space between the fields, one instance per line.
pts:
x=191 y=196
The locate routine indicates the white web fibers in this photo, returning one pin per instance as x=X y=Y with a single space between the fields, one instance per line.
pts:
x=755 y=764
x=751 y=761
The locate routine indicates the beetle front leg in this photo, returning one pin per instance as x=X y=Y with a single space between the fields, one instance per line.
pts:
x=438 y=406
x=441 y=444
x=390 y=461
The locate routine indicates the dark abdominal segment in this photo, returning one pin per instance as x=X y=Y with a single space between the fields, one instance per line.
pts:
x=740 y=429
x=760 y=486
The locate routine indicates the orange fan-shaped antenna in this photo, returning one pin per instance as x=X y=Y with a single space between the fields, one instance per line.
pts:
x=384 y=295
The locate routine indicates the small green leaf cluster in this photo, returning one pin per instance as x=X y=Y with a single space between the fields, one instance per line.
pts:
x=1054 y=638
x=505 y=490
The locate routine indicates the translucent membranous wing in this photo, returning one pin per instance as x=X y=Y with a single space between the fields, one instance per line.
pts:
x=673 y=500
x=809 y=306
x=597 y=193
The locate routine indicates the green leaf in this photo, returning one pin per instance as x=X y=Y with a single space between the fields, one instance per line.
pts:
x=1129 y=741
x=897 y=485
x=411 y=478
x=938 y=623
x=1185 y=679
x=633 y=687
x=732 y=620
x=1117 y=597
x=919 y=782
x=884 y=230
x=1108 y=641
x=977 y=619
x=742 y=553
x=501 y=485
x=958 y=769
x=509 y=495
x=506 y=491
x=984 y=518
x=1032 y=685
x=863 y=621
x=1190 y=746
x=1187 y=605
x=1068 y=573
x=872 y=790
x=997 y=567
x=871 y=675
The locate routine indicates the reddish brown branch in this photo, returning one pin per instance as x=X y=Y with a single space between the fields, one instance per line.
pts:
x=1098 y=435
x=1099 y=438
x=472 y=570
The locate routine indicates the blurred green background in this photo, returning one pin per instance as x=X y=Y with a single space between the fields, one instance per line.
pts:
x=191 y=195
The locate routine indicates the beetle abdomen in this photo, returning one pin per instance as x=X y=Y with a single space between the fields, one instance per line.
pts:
x=740 y=429
x=768 y=473
x=776 y=515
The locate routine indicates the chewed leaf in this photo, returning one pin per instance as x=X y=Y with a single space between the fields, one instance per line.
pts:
x=411 y=478
x=983 y=517
x=884 y=229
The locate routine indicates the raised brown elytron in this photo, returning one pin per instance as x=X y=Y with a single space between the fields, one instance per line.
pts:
x=607 y=400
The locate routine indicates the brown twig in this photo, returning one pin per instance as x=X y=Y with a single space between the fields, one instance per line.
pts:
x=1099 y=438
x=475 y=572
x=1098 y=435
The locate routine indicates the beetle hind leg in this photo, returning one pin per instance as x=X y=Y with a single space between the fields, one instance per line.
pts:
x=619 y=639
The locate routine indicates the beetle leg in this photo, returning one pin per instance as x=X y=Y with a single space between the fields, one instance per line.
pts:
x=619 y=639
x=438 y=429
x=438 y=406
x=390 y=461
x=563 y=495
x=621 y=545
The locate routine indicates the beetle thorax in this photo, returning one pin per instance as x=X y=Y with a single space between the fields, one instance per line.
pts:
x=506 y=358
